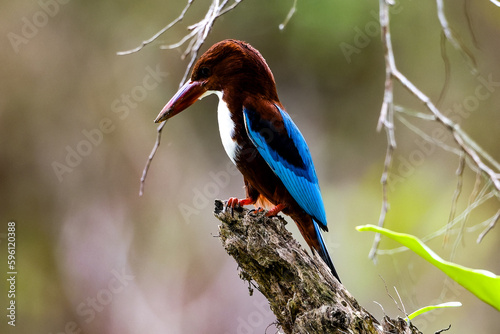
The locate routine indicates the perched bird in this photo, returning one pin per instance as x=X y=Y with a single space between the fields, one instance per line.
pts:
x=259 y=136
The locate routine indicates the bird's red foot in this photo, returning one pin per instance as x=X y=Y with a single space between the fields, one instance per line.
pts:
x=275 y=210
x=233 y=202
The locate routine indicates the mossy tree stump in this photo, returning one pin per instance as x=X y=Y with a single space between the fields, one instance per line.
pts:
x=302 y=292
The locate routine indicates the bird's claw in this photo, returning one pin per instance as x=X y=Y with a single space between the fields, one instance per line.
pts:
x=232 y=202
x=256 y=211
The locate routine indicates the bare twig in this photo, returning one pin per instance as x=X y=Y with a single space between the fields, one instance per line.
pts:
x=492 y=224
x=401 y=302
x=289 y=16
x=447 y=70
x=469 y=23
x=472 y=198
x=403 y=310
x=475 y=153
x=385 y=201
x=159 y=33
x=199 y=32
x=424 y=135
x=443 y=330
x=455 y=128
x=386 y=119
x=454 y=40
x=150 y=158
x=456 y=194
x=482 y=197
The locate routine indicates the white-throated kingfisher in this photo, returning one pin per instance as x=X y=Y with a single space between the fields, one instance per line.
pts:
x=259 y=136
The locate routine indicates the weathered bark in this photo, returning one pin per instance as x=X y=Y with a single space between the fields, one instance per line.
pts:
x=302 y=293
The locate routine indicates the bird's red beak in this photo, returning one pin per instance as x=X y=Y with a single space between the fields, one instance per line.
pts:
x=186 y=96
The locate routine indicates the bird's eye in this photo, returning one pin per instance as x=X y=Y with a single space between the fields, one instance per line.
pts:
x=204 y=72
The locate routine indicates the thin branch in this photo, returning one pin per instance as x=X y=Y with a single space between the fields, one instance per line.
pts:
x=468 y=146
x=443 y=330
x=150 y=158
x=424 y=135
x=289 y=16
x=394 y=300
x=492 y=224
x=453 y=39
x=482 y=197
x=470 y=24
x=414 y=113
x=456 y=195
x=476 y=197
x=461 y=138
x=386 y=120
x=472 y=198
x=385 y=201
x=199 y=32
x=402 y=304
x=179 y=43
x=456 y=128
x=475 y=147
x=447 y=70
x=230 y=7
x=159 y=33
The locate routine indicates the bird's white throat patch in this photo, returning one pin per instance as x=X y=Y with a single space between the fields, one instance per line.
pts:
x=226 y=129
x=226 y=126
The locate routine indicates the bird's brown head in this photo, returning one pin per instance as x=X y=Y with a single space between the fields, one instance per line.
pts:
x=232 y=67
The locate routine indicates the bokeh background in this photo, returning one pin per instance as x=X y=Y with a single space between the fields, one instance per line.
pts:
x=76 y=124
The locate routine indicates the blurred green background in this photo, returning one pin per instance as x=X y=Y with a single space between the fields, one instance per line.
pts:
x=94 y=257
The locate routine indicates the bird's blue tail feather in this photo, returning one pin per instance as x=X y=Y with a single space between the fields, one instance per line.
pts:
x=323 y=251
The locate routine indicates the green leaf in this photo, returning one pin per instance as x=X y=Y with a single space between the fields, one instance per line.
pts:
x=482 y=283
x=433 y=307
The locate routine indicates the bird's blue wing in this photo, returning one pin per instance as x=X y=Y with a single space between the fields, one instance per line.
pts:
x=283 y=147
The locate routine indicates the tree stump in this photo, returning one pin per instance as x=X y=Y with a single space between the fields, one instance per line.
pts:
x=302 y=292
